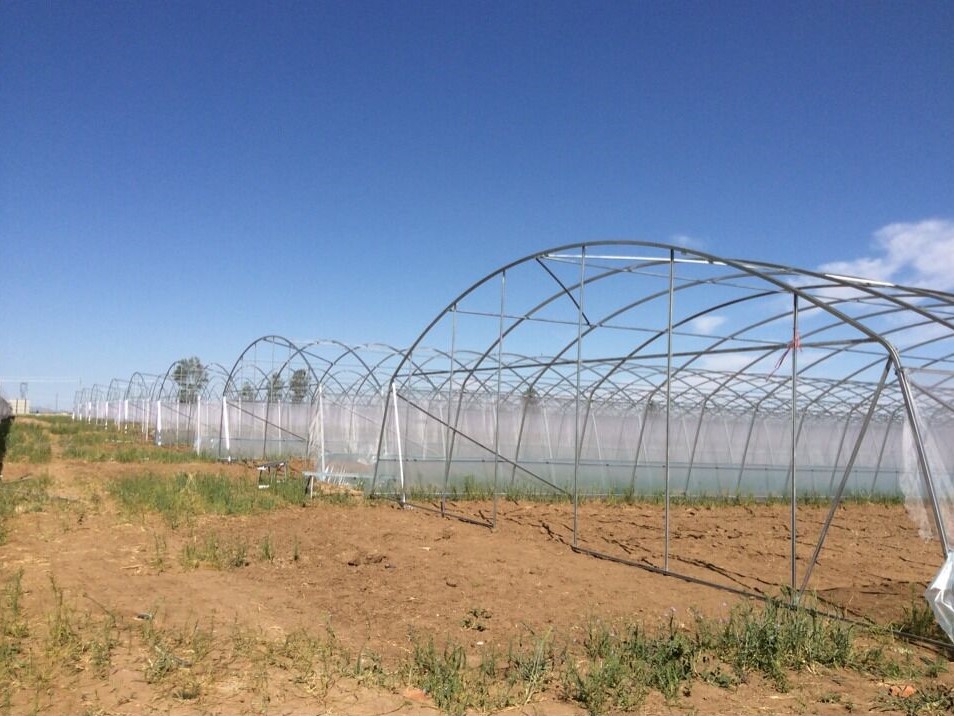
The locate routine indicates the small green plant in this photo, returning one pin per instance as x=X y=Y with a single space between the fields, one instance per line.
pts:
x=214 y=552
x=476 y=619
x=441 y=675
x=187 y=495
x=774 y=639
x=531 y=668
x=917 y=619
x=63 y=642
x=265 y=549
x=29 y=442
x=158 y=560
x=22 y=496
x=314 y=662
x=101 y=647
x=930 y=700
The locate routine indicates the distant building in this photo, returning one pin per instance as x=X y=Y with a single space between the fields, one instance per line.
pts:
x=17 y=406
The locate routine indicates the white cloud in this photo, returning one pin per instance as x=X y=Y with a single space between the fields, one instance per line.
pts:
x=919 y=254
x=728 y=362
x=706 y=325
x=686 y=241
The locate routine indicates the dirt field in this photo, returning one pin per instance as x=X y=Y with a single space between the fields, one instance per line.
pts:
x=383 y=578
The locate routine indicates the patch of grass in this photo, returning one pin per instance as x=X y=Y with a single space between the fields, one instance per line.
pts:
x=80 y=440
x=129 y=451
x=934 y=699
x=315 y=662
x=531 y=668
x=773 y=640
x=917 y=619
x=158 y=560
x=215 y=552
x=610 y=668
x=440 y=673
x=29 y=442
x=175 y=656
x=22 y=496
x=101 y=646
x=14 y=635
x=181 y=498
x=467 y=487
x=65 y=646
x=476 y=619
x=265 y=549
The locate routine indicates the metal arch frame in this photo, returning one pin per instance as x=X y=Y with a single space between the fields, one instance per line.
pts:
x=272 y=339
x=845 y=293
x=352 y=376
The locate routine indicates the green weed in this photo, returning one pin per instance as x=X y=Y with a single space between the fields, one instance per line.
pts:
x=22 y=496
x=28 y=442
x=181 y=498
x=215 y=553
x=441 y=675
x=265 y=549
x=934 y=699
x=774 y=639
x=917 y=619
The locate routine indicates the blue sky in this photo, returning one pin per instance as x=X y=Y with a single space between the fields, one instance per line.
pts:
x=180 y=178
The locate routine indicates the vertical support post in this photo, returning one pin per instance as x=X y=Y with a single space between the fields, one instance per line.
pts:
x=321 y=429
x=672 y=283
x=382 y=433
x=794 y=489
x=225 y=427
x=198 y=424
x=579 y=370
x=159 y=423
x=400 y=455
x=500 y=337
x=449 y=449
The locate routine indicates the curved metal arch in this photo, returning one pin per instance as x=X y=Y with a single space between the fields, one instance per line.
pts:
x=856 y=308
x=147 y=389
x=165 y=377
x=352 y=351
x=117 y=388
x=272 y=338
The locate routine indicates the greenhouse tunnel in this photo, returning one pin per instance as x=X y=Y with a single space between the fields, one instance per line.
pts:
x=631 y=369
x=657 y=378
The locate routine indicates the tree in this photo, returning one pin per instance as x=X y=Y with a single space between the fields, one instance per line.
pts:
x=247 y=392
x=298 y=385
x=276 y=387
x=191 y=377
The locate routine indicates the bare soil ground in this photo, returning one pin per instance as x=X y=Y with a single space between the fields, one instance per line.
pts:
x=381 y=578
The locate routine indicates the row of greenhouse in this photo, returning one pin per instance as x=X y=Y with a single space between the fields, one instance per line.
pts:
x=606 y=368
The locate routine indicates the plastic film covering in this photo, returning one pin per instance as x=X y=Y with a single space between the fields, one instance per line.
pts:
x=629 y=368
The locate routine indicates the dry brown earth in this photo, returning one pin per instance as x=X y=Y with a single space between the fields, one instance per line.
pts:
x=381 y=577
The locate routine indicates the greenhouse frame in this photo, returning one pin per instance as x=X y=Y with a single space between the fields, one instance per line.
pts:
x=608 y=369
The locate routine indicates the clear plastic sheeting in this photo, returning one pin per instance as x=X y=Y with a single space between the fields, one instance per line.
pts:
x=617 y=369
x=630 y=369
x=940 y=595
x=933 y=392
